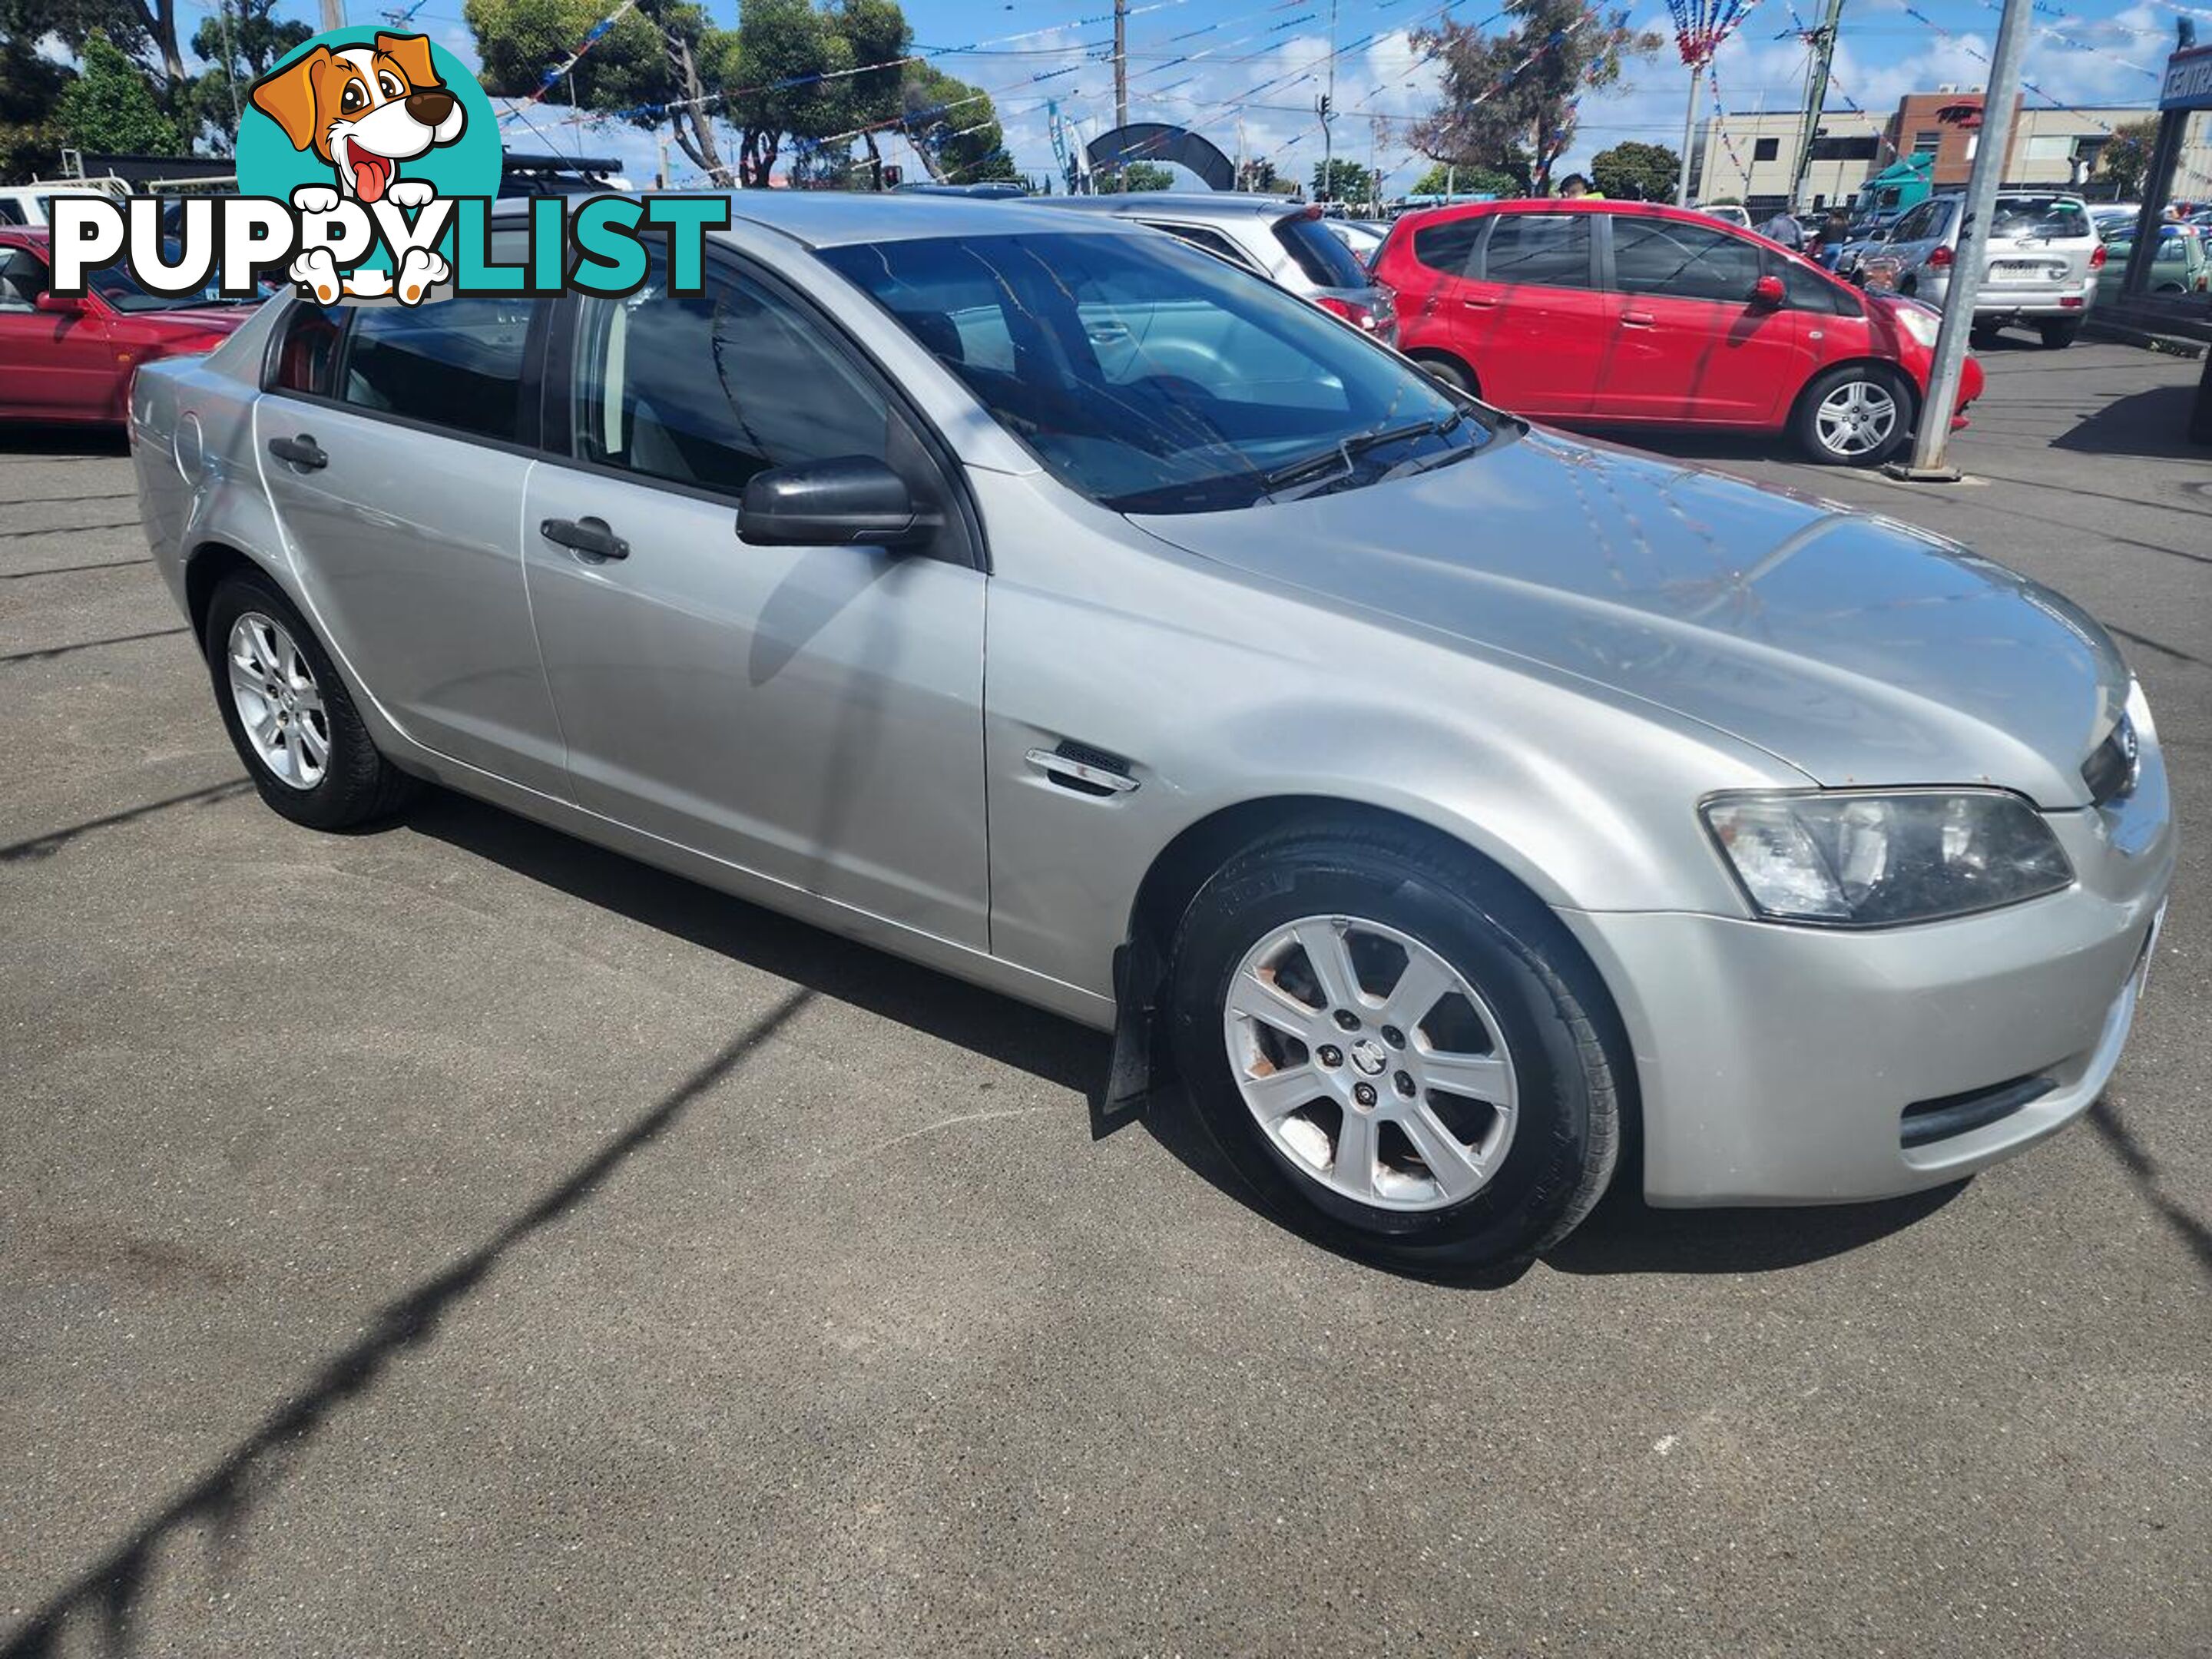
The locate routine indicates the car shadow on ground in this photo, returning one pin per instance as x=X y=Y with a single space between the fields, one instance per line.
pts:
x=62 y=443
x=2154 y=423
x=1622 y=1235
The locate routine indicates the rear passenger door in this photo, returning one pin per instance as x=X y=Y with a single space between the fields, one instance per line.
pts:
x=395 y=442
x=1532 y=322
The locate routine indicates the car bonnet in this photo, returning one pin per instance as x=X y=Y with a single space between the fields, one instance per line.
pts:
x=1858 y=649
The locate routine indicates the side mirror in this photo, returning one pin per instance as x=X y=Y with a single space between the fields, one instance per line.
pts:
x=59 y=304
x=1767 y=294
x=853 y=501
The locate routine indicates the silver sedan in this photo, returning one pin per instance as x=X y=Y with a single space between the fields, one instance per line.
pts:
x=1440 y=806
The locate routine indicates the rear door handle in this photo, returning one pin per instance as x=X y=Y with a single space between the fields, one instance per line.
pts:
x=1637 y=319
x=302 y=451
x=589 y=536
x=1478 y=302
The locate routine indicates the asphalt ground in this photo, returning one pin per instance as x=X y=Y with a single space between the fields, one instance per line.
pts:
x=455 y=1240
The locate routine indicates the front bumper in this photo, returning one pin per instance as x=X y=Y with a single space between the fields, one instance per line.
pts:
x=1777 y=1063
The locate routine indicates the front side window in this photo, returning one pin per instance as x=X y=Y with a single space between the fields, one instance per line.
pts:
x=1152 y=379
x=1552 y=249
x=456 y=364
x=709 y=390
x=22 y=278
x=1682 y=262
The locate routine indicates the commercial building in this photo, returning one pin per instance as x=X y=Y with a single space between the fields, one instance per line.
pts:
x=1751 y=155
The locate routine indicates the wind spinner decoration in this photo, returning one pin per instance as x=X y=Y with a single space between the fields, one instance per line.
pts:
x=1701 y=26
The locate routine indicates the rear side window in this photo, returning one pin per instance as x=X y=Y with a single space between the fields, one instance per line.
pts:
x=2039 y=215
x=1552 y=249
x=1681 y=262
x=1326 y=262
x=308 y=350
x=1205 y=242
x=457 y=364
x=11 y=211
x=1448 y=247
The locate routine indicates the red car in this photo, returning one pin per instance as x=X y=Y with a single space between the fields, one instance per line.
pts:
x=1596 y=313
x=72 y=360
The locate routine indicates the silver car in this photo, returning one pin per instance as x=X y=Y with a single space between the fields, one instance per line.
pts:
x=2043 y=255
x=1447 y=804
x=1290 y=244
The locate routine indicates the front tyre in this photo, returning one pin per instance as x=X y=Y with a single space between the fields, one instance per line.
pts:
x=288 y=712
x=1398 y=1050
x=1853 y=416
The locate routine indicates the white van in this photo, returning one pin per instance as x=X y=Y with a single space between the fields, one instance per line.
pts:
x=28 y=205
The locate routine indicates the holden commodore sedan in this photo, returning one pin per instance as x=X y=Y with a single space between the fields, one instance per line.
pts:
x=1440 y=805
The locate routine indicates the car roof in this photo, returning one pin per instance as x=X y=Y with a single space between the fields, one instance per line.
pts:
x=1228 y=204
x=35 y=237
x=832 y=218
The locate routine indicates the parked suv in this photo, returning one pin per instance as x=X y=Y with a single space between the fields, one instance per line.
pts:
x=1603 y=313
x=2043 y=251
x=1288 y=243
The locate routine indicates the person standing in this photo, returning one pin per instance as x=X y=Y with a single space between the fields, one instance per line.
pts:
x=1784 y=228
x=1573 y=188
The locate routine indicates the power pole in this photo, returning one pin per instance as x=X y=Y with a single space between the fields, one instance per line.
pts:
x=1934 y=433
x=333 y=15
x=1120 y=62
x=1816 y=97
x=1327 y=107
x=1689 y=135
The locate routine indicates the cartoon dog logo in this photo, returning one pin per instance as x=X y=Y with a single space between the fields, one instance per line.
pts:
x=364 y=109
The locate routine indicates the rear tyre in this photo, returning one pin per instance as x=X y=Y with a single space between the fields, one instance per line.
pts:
x=1397 y=1050
x=1857 y=415
x=2060 y=334
x=289 y=713
x=1983 y=336
x=1447 y=373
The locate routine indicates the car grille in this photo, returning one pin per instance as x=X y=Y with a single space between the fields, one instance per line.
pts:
x=2110 y=771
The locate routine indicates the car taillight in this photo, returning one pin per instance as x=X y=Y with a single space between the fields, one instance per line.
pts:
x=1351 y=311
x=2097 y=260
x=1941 y=257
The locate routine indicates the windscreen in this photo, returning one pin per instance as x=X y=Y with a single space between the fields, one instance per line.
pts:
x=1148 y=376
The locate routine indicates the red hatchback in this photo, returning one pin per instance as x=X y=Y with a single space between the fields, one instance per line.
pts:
x=1620 y=314
x=72 y=360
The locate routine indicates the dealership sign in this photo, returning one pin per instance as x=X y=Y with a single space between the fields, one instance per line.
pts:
x=366 y=168
x=2188 y=80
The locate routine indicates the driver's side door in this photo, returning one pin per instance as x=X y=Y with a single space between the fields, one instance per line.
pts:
x=812 y=715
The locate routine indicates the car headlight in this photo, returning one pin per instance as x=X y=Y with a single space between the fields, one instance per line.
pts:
x=1920 y=322
x=1872 y=860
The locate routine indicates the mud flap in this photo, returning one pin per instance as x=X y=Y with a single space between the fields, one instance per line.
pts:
x=1133 y=1068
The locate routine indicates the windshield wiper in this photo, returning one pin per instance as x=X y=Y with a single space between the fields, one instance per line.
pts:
x=1347 y=450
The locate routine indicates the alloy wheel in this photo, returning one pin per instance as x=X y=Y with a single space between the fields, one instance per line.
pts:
x=280 y=707
x=1856 y=418
x=1372 y=1064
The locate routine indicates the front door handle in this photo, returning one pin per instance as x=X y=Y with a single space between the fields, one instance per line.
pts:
x=302 y=451
x=1079 y=775
x=589 y=536
x=1478 y=302
x=1637 y=319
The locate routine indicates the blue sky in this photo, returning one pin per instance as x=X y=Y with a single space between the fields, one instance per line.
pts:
x=1258 y=64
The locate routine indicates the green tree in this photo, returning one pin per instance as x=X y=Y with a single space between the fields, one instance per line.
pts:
x=1509 y=99
x=954 y=128
x=110 y=106
x=142 y=29
x=1341 y=180
x=240 y=44
x=1441 y=180
x=1134 y=175
x=31 y=88
x=2124 y=160
x=659 y=65
x=1636 y=172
